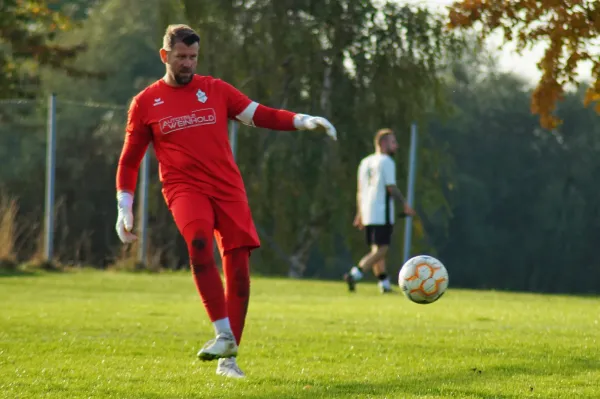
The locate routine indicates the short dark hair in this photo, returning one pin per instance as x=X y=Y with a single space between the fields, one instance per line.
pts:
x=381 y=133
x=179 y=34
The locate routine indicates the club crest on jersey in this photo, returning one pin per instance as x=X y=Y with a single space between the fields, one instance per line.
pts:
x=201 y=96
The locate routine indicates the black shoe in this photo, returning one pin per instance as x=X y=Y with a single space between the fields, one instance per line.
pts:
x=350 y=281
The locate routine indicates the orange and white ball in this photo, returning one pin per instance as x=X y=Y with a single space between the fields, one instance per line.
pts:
x=423 y=279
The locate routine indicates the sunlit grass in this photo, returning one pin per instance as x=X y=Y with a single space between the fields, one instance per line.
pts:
x=118 y=335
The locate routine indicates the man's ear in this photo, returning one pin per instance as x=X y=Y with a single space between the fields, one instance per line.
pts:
x=163 y=55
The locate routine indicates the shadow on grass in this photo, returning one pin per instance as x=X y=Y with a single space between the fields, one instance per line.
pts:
x=6 y=273
x=498 y=382
x=492 y=382
x=29 y=269
x=463 y=383
x=450 y=385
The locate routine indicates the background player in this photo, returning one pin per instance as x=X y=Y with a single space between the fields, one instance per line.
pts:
x=185 y=116
x=375 y=195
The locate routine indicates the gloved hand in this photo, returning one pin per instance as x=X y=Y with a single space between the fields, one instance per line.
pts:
x=307 y=122
x=125 y=217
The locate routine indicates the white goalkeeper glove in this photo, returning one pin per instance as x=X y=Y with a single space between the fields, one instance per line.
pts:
x=125 y=217
x=307 y=122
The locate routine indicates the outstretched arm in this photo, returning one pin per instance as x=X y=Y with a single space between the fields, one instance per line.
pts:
x=252 y=113
x=259 y=115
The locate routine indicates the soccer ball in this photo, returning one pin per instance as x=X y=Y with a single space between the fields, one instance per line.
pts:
x=423 y=279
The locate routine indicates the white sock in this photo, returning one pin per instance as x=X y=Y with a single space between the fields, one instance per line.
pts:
x=385 y=284
x=356 y=273
x=222 y=326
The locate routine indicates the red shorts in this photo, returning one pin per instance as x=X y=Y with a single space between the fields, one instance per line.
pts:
x=232 y=222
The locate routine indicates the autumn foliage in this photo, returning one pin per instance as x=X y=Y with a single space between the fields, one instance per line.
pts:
x=570 y=27
x=27 y=28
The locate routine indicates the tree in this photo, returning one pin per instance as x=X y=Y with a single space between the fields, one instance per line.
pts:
x=26 y=30
x=123 y=40
x=523 y=201
x=571 y=28
x=394 y=79
x=362 y=66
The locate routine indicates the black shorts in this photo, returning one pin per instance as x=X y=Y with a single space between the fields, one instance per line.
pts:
x=379 y=234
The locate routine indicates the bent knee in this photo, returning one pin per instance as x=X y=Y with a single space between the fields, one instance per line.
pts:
x=198 y=238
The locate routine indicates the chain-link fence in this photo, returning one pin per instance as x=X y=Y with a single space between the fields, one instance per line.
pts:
x=22 y=177
x=62 y=156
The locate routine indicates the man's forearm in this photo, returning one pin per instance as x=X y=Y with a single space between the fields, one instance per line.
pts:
x=269 y=118
x=259 y=115
x=134 y=149
x=397 y=194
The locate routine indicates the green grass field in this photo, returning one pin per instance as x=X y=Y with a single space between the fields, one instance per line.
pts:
x=107 y=335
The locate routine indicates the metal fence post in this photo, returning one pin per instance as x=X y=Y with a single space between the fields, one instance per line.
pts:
x=50 y=174
x=143 y=210
x=233 y=138
x=412 y=166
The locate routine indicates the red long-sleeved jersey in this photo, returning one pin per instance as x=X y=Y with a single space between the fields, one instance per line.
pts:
x=188 y=127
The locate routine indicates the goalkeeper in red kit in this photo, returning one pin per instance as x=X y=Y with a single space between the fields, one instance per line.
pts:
x=185 y=117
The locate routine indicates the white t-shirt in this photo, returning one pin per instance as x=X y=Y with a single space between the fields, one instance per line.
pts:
x=375 y=172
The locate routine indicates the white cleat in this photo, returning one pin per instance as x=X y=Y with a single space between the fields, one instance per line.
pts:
x=224 y=346
x=228 y=367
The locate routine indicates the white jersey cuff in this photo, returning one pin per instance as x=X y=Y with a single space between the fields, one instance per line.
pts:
x=247 y=115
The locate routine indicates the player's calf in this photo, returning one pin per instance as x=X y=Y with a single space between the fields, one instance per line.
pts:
x=208 y=281
x=356 y=273
x=236 y=270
